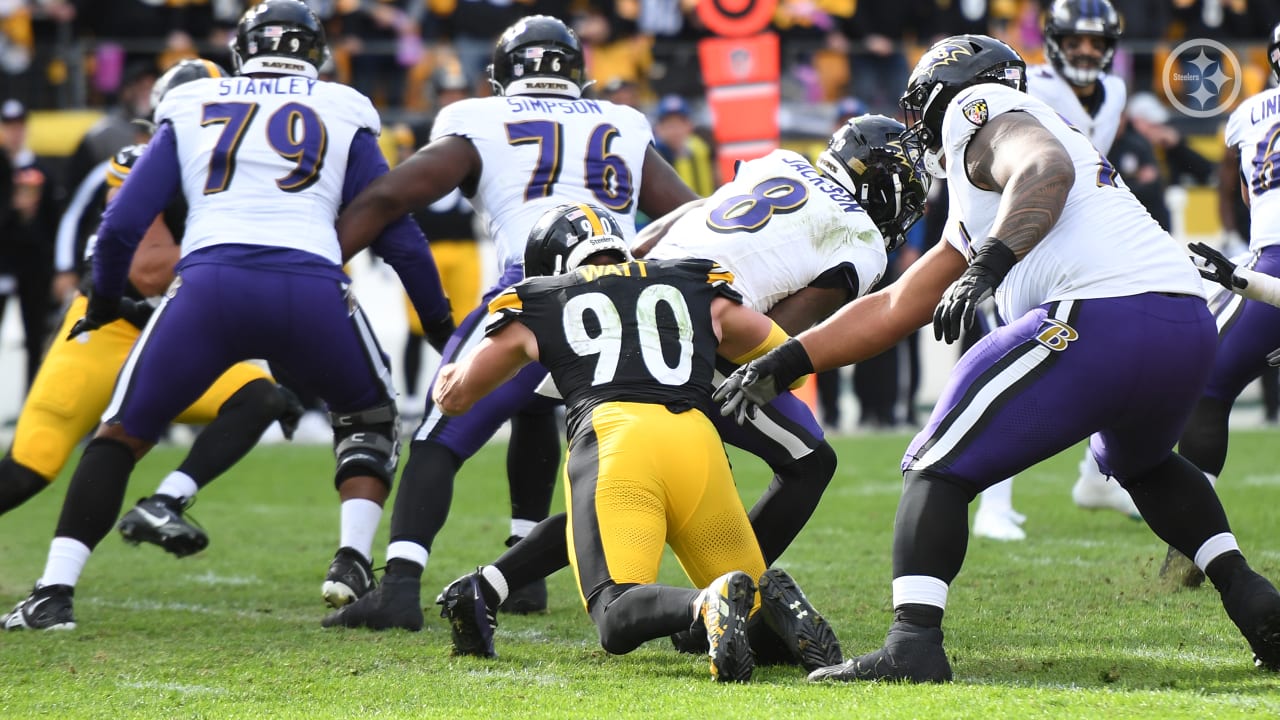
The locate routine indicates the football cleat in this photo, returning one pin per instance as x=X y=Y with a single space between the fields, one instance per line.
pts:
x=723 y=608
x=47 y=608
x=392 y=604
x=802 y=628
x=471 y=617
x=1180 y=569
x=1001 y=524
x=350 y=578
x=159 y=520
x=1094 y=491
x=690 y=642
x=1253 y=604
x=911 y=653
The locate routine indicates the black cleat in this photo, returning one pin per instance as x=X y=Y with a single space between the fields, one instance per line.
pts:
x=691 y=642
x=911 y=653
x=392 y=604
x=1180 y=569
x=802 y=628
x=47 y=608
x=350 y=578
x=471 y=618
x=723 y=608
x=1253 y=604
x=158 y=520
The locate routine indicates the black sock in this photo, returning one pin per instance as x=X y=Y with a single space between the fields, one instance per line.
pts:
x=533 y=459
x=1204 y=439
x=404 y=568
x=18 y=484
x=931 y=530
x=544 y=551
x=788 y=503
x=412 y=363
x=918 y=614
x=426 y=490
x=96 y=492
x=1178 y=504
x=1225 y=568
x=239 y=424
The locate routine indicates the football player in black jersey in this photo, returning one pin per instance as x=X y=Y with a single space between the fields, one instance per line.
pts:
x=632 y=345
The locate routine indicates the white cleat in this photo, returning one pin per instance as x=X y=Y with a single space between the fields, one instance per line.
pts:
x=1004 y=525
x=1097 y=492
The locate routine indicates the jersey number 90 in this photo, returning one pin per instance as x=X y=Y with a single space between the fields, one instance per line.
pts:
x=608 y=342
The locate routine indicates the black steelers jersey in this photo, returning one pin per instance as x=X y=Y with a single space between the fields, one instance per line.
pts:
x=633 y=332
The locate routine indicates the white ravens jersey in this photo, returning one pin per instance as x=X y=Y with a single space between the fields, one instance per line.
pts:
x=264 y=159
x=540 y=152
x=1105 y=243
x=1044 y=83
x=1254 y=130
x=777 y=227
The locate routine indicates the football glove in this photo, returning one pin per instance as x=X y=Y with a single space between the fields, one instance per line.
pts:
x=761 y=380
x=438 y=334
x=101 y=310
x=1217 y=267
x=959 y=305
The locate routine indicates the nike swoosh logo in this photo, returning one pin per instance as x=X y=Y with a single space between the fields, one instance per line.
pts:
x=154 y=521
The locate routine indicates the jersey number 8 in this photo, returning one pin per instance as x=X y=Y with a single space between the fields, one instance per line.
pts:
x=609 y=341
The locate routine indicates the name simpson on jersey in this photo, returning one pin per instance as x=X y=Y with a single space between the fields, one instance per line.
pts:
x=266 y=86
x=546 y=105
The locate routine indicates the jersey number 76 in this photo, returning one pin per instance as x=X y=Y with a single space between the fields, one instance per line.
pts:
x=606 y=174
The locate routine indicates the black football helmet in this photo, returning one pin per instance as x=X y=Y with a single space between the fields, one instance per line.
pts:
x=566 y=235
x=1273 y=51
x=182 y=73
x=1081 y=17
x=279 y=36
x=949 y=66
x=868 y=157
x=538 y=55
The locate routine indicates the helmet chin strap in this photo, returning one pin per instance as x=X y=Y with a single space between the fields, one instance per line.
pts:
x=933 y=164
x=1080 y=77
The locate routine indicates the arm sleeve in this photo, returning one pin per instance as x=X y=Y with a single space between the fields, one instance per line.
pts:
x=401 y=243
x=152 y=183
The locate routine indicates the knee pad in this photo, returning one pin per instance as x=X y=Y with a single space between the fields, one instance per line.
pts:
x=367 y=442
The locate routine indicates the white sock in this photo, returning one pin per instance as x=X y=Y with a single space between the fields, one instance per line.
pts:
x=1213 y=547
x=919 y=590
x=178 y=485
x=521 y=528
x=1213 y=479
x=406 y=550
x=67 y=558
x=496 y=580
x=997 y=497
x=360 y=520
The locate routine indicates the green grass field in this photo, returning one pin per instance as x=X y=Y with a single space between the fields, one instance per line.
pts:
x=1072 y=623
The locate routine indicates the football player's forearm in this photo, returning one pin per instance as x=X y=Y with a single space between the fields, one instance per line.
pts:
x=1260 y=287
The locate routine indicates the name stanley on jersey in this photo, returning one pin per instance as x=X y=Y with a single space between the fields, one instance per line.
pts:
x=266 y=86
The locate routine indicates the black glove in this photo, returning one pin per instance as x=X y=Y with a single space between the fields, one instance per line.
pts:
x=1217 y=267
x=438 y=334
x=761 y=380
x=959 y=304
x=136 y=312
x=101 y=310
x=293 y=410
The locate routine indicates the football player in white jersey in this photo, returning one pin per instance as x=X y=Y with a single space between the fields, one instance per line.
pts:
x=806 y=238
x=1080 y=39
x=533 y=146
x=1248 y=324
x=1119 y=312
x=264 y=159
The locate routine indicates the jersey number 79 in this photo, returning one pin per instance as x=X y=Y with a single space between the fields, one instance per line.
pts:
x=294 y=132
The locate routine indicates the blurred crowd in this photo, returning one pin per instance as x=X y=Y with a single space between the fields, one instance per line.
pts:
x=839 y=57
